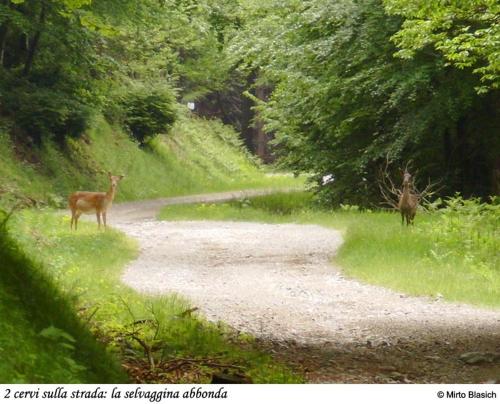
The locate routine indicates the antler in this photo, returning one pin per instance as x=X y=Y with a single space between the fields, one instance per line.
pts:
x=408 y=164
x=430 y=189
x=392 y=194
x=389 y=191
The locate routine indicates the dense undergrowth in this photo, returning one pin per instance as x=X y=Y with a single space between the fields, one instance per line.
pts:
x=149 y=334
x=450 y=252
x=197 y=156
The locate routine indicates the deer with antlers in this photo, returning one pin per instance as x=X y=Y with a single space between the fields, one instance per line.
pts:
x=93 y=202
x=408 y=201
x=405 y=200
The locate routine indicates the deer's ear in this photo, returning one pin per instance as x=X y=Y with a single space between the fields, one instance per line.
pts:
x=109 y=174
x=121 y=177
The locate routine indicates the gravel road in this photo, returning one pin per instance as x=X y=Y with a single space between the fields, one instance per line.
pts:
x=276 y=281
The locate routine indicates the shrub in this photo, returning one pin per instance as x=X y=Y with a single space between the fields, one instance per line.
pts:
x=45 y=112
x=149 y=111
x=51 y=115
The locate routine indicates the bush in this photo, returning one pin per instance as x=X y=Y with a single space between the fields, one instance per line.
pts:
x=51 y=115
x=149 y=111
x=45 y=112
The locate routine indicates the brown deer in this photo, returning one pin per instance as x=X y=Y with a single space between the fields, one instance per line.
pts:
x=408 y=201
x=93 y=202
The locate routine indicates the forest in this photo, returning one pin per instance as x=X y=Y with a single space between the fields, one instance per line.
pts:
x=332 y=87
x=320 y=115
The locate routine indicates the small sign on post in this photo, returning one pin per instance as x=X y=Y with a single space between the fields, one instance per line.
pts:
x=191 y=106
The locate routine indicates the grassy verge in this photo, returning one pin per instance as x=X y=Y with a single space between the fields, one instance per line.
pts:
x=197 y=156
x=141 y=330
x=419 y=260
x=41 y=338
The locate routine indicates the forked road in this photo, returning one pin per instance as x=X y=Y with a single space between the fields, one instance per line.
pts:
x=276 y=281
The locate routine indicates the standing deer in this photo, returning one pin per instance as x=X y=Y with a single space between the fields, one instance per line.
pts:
x=408 y=201
x=93 y=202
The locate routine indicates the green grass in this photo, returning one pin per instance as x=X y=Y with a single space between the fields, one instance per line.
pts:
x=197 y=156
x=87 y=266
x=377 y=249
x=41 y=338
x=276 y=208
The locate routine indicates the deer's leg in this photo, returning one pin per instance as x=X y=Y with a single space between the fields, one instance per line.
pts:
x=98 y=215
x=402 y=219
x=77 y=216
x=104 y=218
x=72 y=220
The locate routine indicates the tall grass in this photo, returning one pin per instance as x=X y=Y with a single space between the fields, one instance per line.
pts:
x=41 y=338
x=197 y=156
x=278 y=207
x=87 y=265
x=466 y=230
x=452 y=252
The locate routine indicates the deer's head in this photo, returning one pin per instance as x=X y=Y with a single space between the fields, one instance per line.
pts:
x=114 y=179
x=406 y=179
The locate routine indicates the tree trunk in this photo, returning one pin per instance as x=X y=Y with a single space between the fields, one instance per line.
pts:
x=495 y=178
x=4 y=30
x=463 y=158
x=447 y=148
x=261 y=137
x=33 y=46
x=448 y=169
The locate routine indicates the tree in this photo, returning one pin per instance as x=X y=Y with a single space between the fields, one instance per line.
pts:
x=467 y=33
x=60 y=57
x=48 y=66
x=342 y=102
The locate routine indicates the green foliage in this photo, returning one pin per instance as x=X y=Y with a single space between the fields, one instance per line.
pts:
x=45 y=113
x=467 y=231
x=149 y=111
x=49 y=72
x=77 y=54
x=349 y=208
x=170 y=42
x=198 y=156
x=467 y=33
x=341 y=101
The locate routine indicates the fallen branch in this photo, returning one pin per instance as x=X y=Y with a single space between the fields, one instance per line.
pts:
x=179 y=362
x=188 y=312
x=147 y=350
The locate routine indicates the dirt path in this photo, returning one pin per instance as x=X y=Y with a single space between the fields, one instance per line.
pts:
x=276 y=282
